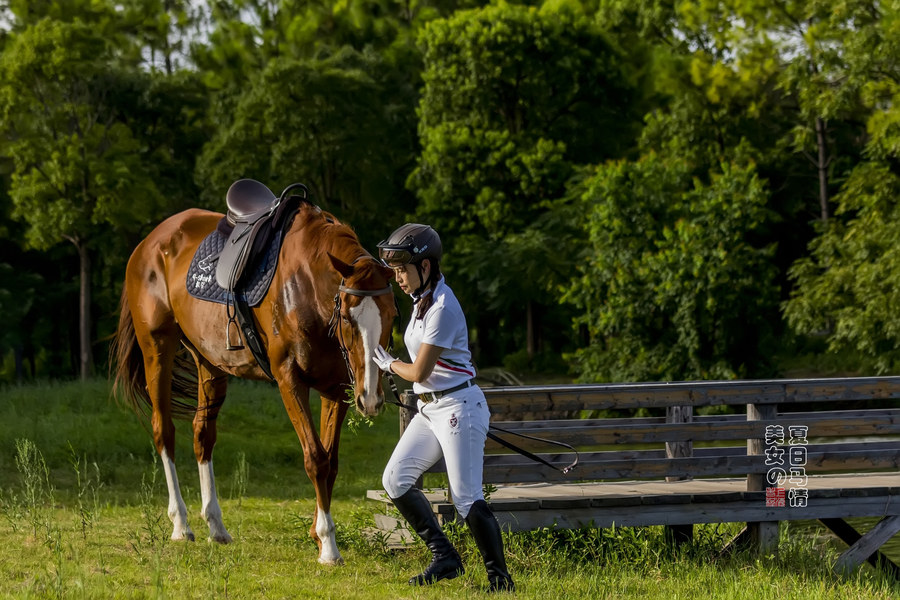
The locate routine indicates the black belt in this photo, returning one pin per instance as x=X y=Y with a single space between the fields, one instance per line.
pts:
x=427 y=397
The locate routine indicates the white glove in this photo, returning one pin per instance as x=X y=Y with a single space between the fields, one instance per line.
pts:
x=383 y=359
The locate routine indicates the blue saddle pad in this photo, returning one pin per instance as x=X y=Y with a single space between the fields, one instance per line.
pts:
x=201 y=277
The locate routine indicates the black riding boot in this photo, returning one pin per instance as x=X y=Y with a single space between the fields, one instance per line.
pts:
x=486 y=531
x=445 y=562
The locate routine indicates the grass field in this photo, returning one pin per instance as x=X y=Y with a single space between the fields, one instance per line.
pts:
x=82 y=515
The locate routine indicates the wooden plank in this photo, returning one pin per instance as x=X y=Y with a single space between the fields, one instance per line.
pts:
x=707 y=462
x=720 y=497
x=679 y=417
x=756 y=446
x=684 y=514
x=390 y=523
x=763 y=534
x=599 y=432
x=392 y=540
x=868 y=544
x=850 y=536
x=557 y=503
x=575 y=398
x=630 y=493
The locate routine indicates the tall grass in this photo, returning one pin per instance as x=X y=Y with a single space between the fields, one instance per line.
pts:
x=83 y=502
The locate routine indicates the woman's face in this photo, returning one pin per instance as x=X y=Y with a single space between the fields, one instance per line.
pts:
x=407 y=276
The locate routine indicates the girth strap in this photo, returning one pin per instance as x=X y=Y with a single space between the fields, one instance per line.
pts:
x=251 y=335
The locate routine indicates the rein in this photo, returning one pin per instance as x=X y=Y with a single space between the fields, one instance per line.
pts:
x=491 y=428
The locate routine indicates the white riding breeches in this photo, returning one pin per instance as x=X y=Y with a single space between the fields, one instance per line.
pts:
x=454 y=427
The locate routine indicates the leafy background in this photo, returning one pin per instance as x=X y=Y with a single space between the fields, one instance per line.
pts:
x=640 y=190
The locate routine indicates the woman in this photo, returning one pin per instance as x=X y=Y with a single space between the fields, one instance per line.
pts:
x=452 y=419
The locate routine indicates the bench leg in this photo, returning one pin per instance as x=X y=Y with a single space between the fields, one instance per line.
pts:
x=761 y=536
x=679 y=534
x=764 y=536
x=865 y=547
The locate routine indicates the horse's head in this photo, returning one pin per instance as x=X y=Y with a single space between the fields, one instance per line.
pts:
x=366 y=310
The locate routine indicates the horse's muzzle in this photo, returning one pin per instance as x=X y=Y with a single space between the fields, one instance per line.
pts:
x=369 y=405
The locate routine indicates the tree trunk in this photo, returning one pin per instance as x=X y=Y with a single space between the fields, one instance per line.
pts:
x=19 y=357
x=823 y=168
x=530 y=341
x=86 y=355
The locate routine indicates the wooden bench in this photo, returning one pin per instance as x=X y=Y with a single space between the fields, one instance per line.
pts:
x=678 y=466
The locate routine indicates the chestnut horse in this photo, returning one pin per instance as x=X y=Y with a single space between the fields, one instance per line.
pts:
x=321 y=266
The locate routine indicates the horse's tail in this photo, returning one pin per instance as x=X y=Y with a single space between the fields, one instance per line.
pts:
x=130 y=380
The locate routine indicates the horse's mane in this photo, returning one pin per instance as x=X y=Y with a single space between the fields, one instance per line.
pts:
x=327 y=234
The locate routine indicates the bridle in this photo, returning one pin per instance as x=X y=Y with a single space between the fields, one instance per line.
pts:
x=334 y=329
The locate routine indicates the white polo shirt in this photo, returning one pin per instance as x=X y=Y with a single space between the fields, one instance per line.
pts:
x=444 y=325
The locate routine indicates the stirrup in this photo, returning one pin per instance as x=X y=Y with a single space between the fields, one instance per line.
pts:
x=231 y=321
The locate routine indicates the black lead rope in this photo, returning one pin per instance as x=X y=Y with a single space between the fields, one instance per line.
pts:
x=564 y=470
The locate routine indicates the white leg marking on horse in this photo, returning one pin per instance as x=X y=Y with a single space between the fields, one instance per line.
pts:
x=211 y=511
x=177 y=509
x=329 y=555
x=368 y=319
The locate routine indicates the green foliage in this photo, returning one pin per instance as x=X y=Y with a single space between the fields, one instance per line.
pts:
x=849 y=286
x=77 y=161
x=846 y=287
x=511 y=98
x=115 y=114
x=325 y=123
x=672 y=285
x=514 y=98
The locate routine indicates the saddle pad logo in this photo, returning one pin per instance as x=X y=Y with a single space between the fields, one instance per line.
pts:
x=454 y=422
x=208 y=263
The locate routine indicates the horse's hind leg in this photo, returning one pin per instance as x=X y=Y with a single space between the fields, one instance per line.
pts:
x=159 y=346
x=213 y=384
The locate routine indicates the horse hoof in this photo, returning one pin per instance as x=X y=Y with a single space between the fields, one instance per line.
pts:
x=221 y=538
x=331 y=562
x=187 y=536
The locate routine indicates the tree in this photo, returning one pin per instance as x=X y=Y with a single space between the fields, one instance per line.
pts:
x=334 y=124
x=671 y=284
x=803 y=43
x=164 y=31
x=849 y=287
x=846 y=289
x=514 y=99
x=78 y=166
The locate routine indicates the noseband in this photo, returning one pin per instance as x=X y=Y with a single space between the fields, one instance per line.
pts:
x=334 y=329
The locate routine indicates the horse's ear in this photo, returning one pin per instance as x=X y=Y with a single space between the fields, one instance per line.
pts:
x=340 y=266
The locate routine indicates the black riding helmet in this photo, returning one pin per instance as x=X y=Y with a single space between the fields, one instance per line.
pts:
x=411 y=244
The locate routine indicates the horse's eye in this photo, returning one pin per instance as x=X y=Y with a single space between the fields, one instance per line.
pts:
x=345 y=319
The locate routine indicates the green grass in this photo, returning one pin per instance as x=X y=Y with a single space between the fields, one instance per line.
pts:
x=82 y=515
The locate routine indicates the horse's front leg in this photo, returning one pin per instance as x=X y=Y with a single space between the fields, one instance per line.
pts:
x=317 y=461
x=332 y=417
x=212 y=387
